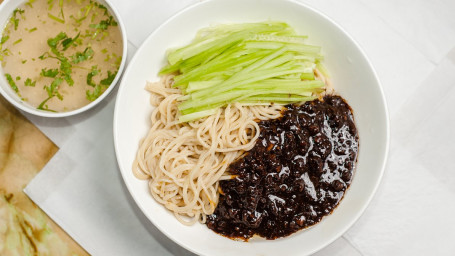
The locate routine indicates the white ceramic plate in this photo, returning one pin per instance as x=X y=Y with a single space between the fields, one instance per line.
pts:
x=352 y=75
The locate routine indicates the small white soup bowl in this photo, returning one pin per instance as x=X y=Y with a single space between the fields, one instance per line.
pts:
x=6 y=9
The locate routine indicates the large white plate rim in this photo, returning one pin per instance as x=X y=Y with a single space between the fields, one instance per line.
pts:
x=383 y=157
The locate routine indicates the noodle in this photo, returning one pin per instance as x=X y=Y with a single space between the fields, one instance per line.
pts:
x=185 y=161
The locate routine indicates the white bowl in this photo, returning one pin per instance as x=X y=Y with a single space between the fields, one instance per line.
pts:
x=6 y=9
x=353 y=77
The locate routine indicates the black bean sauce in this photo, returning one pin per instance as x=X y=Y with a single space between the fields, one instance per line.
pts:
x=297 y=172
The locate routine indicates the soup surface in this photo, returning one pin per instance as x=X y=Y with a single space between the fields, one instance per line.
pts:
x=59 y=55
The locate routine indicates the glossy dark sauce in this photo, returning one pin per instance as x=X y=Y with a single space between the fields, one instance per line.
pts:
x=297 y=172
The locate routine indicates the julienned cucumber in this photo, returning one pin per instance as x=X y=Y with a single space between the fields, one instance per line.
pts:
x=250 y=63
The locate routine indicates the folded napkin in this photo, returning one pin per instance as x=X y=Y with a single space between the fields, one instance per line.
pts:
x=413 y=211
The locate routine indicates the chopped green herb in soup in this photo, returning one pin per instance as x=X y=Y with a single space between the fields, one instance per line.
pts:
x=67 y=51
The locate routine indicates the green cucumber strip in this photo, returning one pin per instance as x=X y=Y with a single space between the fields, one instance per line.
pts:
x=183 y=97
x=263 y=61
x=193 y=62
x=225 y=60
x=242 y=79
x=227 y=97
x=278 y=38
x=322 y=69
x=195 y=48
x=307 y=76
x=206 y=47
x=197 y=115
x=235 y=27
x=303 y=49
x=199 y=85
x=217 y=42
x=253 y=100
x=203 y=108
x=284 y=84
x=210 y=68
x=219 y=98
x=197 y=60
x=278 y=61
x=280 y=98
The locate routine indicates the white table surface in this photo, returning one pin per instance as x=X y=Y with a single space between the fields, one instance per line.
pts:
x=411 y=43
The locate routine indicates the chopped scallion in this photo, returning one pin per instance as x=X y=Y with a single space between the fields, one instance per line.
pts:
x=17 y=41
x=29 y=82
x=12 y=83
x=55 y=18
